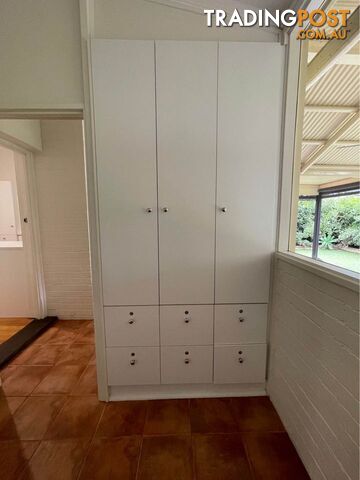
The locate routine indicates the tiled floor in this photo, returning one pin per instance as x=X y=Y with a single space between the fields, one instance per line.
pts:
x=53 y=427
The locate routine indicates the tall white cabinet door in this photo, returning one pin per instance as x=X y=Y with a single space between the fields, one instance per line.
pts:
x=186 y=91
x=249 y=122
x=125 y=130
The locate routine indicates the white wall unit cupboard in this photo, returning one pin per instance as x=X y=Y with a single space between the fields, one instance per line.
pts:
x=250 y=93
x=186 y=93
x=124 y=108
x=187 y=152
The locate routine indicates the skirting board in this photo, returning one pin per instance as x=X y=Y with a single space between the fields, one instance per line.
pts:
x=154 y=392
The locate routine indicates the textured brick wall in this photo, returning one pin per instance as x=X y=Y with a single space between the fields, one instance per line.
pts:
x=60 y=178
x=314 y=369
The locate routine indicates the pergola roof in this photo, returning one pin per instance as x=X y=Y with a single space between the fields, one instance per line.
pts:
x=331 y=129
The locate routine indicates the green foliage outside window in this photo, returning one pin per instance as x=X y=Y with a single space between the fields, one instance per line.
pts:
x=339 y=224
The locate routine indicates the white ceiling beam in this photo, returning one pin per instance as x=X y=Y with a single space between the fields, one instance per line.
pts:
x=331 y=108
x=336 y=135
x=347 y=59
x=341 y=143
x=332 y=168
x=333 y=50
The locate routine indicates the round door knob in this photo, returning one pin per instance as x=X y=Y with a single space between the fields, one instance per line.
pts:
x=241 y=360
x=148 y=210
x=132 y=362
x=165 y=209
x=132 y=321
x=241 y=319
x=187 y=320
x=223 y=209
x=187 y=361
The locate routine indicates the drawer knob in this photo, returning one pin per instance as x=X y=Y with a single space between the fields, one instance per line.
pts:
x=132 y=321
x=149 y=210
x=132 y=362
x=241 y=319
x=223 y=209
x=165 y=209
x=187 y=361
x=241 y=360
x=187 y=320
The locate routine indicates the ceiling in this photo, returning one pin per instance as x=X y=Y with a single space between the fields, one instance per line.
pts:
x=329 y=104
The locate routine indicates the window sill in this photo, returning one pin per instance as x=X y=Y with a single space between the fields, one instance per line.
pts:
x=341 y=276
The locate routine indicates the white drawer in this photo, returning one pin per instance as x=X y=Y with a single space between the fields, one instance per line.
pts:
x=187 y=364
x=133 y=366
x=245 y=323
x=131 y=326
x=186 y=325
x=240 y=363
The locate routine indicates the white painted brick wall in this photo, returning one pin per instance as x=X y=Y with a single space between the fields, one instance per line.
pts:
x=314 y=369
x=60 y=179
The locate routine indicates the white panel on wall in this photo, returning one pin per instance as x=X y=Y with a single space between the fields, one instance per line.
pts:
x=314 y=369
x=249 y=116
x=186 y=89
x=124 y=102
x=60 y=183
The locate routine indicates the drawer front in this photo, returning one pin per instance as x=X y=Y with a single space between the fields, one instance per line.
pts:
x=133 y=366
x=245 y=323
x=187 y=364
x=131 y=326
x=186 y=325
x=240 y=363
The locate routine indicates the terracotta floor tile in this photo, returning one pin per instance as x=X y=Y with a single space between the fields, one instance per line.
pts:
x=14 y=456
x=60 y=379
x=72 y=324
x=273 y=457
x=167 y=417
x=78 y=418
x=220 y=457
x=92 y=360
x=122 y=418
x=111 y=459
x=86 y=335
x=166 y=458
x=32 y=418
x=63 y=336
x=23 y=357
x=23 y=379
x=87 y=384
x=77 y=354
x=212 y=415
x=256 y=414
x=8 y=406
x=46 y=336
x=42 y=355
x=56 y=460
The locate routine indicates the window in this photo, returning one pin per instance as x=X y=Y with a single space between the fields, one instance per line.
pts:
x=325 y=222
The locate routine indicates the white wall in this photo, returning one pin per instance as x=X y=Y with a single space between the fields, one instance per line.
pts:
x=25 y=133
x=142 y=20
x=314 y=369
x=60 y=179
x=40 y=54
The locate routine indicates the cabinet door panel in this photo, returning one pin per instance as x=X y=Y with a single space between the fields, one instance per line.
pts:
x=249 y=127
x=186 y=91
x=124 y=104
x=187 y=364
x=240 y=363
x=240 y=323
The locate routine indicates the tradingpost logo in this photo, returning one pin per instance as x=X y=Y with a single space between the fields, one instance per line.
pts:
x=324 y=25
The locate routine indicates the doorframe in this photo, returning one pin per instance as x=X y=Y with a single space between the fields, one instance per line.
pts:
x=33 y=212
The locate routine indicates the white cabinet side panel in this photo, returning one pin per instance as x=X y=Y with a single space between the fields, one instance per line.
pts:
x=124 y=103
x=186 y=86
x=249 y=128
